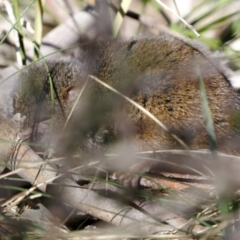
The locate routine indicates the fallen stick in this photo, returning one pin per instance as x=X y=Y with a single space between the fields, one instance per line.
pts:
x=27 y=164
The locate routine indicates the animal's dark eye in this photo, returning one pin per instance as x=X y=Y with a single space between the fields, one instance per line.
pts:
x=131 y=44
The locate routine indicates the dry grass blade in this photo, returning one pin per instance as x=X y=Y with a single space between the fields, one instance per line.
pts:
x=179 y=17
x=75 y=104
x=140 y=108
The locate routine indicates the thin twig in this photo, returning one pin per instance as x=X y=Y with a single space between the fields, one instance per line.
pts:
x=179 y=17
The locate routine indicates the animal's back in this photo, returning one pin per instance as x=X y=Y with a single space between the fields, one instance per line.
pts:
x=162 y=75
x=159 y=73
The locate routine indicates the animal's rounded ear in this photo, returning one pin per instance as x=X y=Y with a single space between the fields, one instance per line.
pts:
x=70 y=96
x=70 y=93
